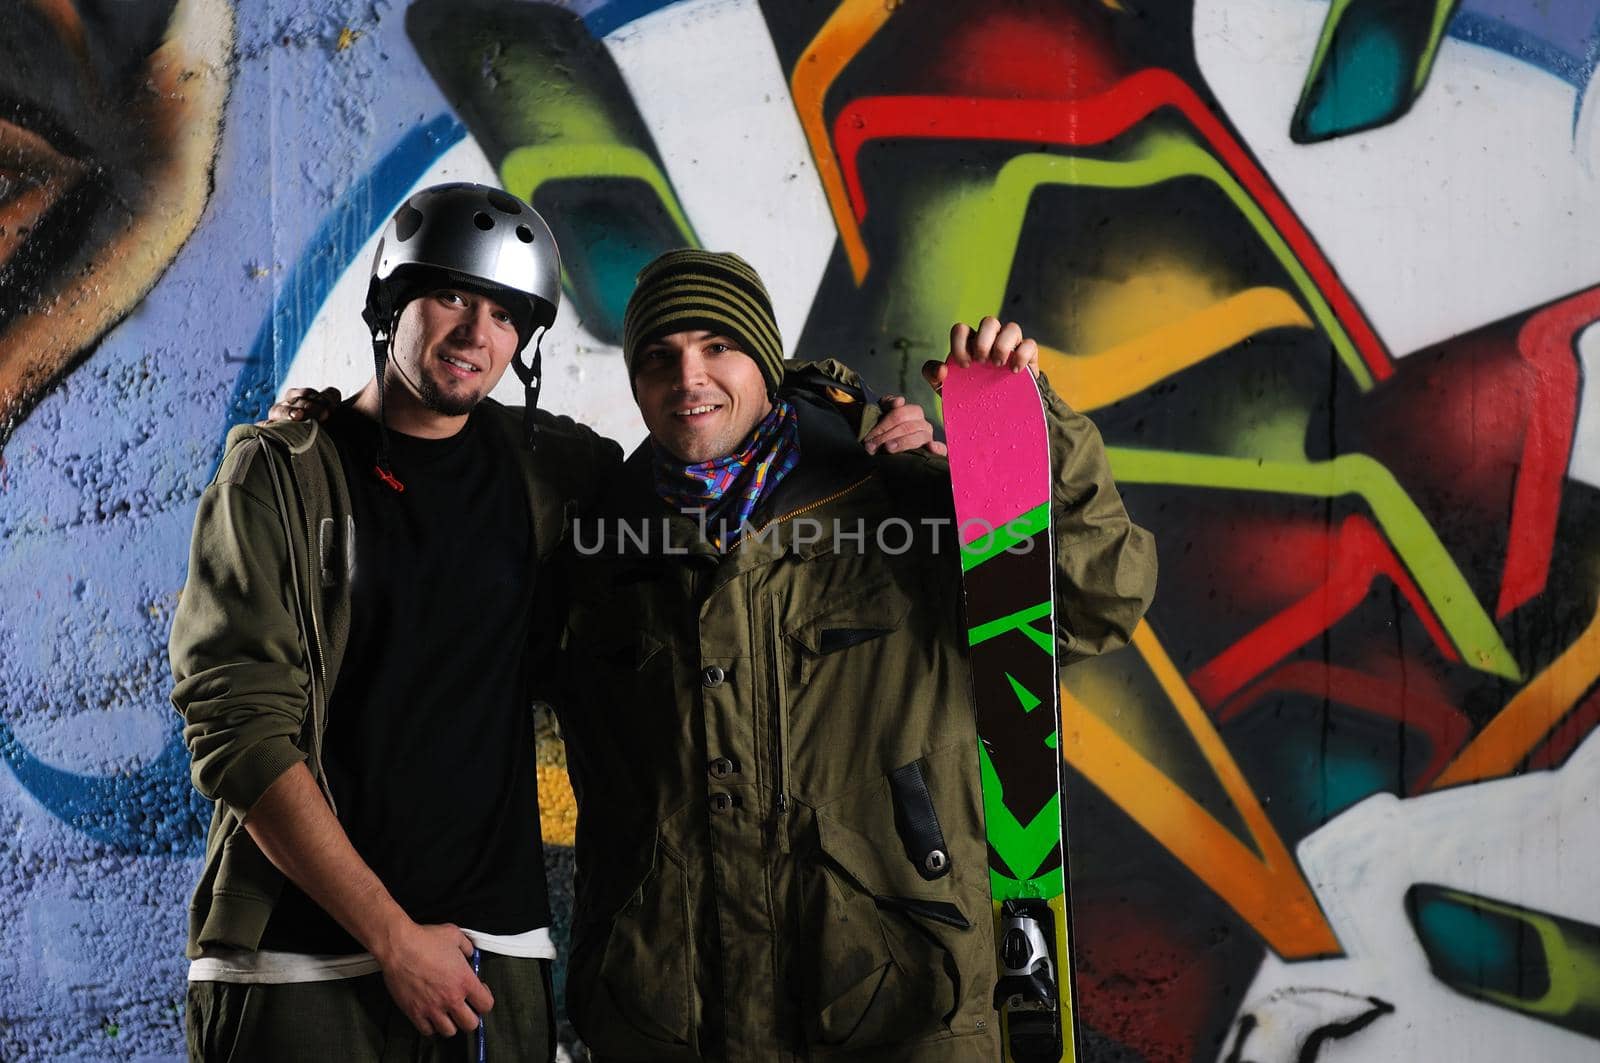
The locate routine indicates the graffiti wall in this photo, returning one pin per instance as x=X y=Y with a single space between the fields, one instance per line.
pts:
x=1325 y=274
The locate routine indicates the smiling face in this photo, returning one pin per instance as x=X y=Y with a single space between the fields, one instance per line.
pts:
x=700 y=395
x=451 y=347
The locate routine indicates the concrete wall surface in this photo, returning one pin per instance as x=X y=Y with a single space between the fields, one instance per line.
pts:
x=1327 y=276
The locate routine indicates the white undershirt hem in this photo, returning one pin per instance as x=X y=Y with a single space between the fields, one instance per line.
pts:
x=266 y=967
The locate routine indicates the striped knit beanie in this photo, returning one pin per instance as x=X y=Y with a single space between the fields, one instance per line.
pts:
x=718 y=291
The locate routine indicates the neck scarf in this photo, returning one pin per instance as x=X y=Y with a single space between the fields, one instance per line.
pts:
x=729 y=488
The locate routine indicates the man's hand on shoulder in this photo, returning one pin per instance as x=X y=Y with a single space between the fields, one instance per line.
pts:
x=903 y=426
x=302 y=404
x=990 y=342
x=428 y=972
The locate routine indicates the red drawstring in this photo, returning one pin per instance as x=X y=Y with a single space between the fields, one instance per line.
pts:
x=389 y=478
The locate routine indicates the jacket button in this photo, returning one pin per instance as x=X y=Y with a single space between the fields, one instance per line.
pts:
x=712 y=676
x=721 y=803
x=722 y=767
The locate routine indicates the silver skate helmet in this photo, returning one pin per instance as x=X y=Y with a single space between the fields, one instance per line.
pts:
x=474 y=237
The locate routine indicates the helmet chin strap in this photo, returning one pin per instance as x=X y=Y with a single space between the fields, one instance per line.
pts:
x=382 y=340
x=530 y=374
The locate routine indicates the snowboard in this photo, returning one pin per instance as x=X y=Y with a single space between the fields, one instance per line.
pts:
x=1000 y=476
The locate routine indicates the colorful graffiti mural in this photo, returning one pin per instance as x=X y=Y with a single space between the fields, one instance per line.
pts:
x=1321 y=272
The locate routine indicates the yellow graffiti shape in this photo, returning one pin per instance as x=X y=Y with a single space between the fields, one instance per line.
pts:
x=1094 y=380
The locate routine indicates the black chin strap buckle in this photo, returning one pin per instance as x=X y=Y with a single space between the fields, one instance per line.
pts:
x=530 y=373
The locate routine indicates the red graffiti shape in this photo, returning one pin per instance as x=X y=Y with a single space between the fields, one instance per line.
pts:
x=1409 y=702
x=1355 y=555
x=1547 y=344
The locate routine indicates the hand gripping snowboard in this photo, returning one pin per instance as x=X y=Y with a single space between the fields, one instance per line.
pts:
x=1000 y=473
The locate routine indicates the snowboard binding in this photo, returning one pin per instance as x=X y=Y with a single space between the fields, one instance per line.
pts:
x=1027 y=993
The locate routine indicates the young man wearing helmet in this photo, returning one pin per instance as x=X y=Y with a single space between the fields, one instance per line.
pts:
x=346 y=660
x=374 y=873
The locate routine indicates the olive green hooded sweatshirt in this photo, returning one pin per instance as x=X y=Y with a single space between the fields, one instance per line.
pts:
x=262 y=623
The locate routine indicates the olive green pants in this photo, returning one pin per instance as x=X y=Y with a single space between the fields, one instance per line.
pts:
x=354 y=1019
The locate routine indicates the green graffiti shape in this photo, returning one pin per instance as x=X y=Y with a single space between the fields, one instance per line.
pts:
x=1414 y=540
x=1537 y=964
x=985 y=225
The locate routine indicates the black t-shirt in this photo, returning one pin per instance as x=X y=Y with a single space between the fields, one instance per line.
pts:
x=429 y=751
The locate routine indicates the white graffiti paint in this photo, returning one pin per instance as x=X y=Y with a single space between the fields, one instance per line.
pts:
x=1472 y=208
x=1510 y=840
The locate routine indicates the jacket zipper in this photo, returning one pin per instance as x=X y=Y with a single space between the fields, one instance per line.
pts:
x=808 y=507
x=319 y=675
x=781 y=730
x=319 y=700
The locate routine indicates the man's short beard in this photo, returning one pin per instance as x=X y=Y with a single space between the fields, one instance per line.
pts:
x=441 y=402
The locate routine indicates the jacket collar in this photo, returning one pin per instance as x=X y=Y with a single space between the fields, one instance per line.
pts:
x=831 y=458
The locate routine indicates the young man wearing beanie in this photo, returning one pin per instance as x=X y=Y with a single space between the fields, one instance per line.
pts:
x=768 y=705
x=355 y=656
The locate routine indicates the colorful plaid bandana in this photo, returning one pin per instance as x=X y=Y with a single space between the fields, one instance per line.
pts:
x=729 y=488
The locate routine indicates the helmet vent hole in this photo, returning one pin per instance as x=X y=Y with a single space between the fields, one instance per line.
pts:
x=525 y=234
x=483 y=221
x=407 y=221
x=502 y=202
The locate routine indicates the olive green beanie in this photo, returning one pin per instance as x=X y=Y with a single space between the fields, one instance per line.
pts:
x=717 y=291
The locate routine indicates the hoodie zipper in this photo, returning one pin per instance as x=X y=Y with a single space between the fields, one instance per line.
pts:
x=307 y=603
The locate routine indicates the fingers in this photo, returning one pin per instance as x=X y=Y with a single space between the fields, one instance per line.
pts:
x=1006 y=343
x=896 y=414
x=480 y=1000
x=960 y=342
x=937 y=448
x=462 y=1017
x=904 y=428
x=1026 y=356
x=935 y=372
x=990 y=342
x=889 y=404
x=434 y=984
x=298 y=404
x=981 y=345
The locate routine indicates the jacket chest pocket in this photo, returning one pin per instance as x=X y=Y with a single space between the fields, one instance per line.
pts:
x=848 y=633
x=616 y=628
x=620 y=669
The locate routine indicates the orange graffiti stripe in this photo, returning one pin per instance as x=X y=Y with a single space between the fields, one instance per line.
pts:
x=841 y=38
x=1528 y=717
x=1094 y=380
x=1263 y=885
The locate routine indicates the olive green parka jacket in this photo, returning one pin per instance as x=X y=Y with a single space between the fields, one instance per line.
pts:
x=732 y=721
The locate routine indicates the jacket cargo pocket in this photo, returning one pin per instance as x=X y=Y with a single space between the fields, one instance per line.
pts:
x=630 y=985
x=888 y=955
